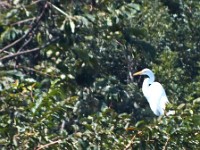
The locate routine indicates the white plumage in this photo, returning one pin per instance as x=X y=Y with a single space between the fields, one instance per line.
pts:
x=154 y=92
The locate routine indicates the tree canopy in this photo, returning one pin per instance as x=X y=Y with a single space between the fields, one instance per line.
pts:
x=66 y=74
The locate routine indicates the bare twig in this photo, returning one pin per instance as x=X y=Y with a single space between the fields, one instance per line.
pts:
x=36 y=1
x=20 y=53
x=21 y=48
x=34 y=24
x=132 y=140
x=29 y=51
x=6 y=52
x=22 y=21
x=165 y=146
x=60 y=10
x=49 y=144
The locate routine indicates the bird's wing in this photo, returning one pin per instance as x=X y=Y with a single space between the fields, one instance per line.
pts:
x=157 y=98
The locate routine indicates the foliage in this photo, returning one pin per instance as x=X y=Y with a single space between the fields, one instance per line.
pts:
x=65 y=74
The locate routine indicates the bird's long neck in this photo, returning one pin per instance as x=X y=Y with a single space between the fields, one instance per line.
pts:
x=145 y=87
x=147 y=82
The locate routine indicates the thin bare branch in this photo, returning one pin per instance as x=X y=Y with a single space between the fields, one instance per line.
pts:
x=20 y=53
x=22 y=21
x=36 y=1
x=49 y=144
x=34 y=24
x=132 y=141
x=60 y=10
x=21 y=48
x=165 y=146
x=29 y=51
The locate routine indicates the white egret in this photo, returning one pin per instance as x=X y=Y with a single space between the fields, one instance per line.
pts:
x=154 y=92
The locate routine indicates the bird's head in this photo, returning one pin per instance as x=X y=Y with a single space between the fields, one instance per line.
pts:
x=143 y=72
x=147 y=72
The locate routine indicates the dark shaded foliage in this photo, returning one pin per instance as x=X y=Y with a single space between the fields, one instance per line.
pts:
x=65 y=74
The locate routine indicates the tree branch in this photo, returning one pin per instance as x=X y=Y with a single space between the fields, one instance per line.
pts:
x=132 y=140
x=29 y=51
x=49 y=144
x=30 y=38
x=34 y=25
x=165 y=146
x=22 y=21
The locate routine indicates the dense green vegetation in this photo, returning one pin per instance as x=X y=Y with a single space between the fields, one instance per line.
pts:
x=65 y=74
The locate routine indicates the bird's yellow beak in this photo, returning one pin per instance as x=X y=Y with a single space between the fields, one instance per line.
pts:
x=137 y=73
